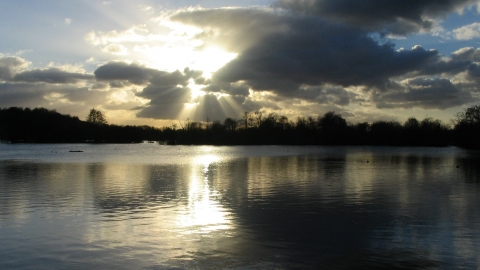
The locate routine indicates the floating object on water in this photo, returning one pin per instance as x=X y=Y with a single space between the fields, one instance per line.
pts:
x=75 y=151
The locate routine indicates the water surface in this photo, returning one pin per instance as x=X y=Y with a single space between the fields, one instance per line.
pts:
x=147 y=206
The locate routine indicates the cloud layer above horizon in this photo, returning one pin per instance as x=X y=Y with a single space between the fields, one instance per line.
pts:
x=295 y=58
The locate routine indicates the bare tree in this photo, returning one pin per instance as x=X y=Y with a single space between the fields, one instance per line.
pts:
x=96 y=117
x=230 y=124
x=468 y=116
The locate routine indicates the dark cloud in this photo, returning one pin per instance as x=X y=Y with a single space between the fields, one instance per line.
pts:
x=177 y=103
x=471 y=80
x=466 y=54
x=11 y=70
x=118 y=71
x=440 y=66
x=44 y=95
x=131 y=105
x=217 y=108
x=255 y=105
x=87 y=96
x=316 y=52
x=300 y=50
x=444 y=67
x=474 y=71
x=213 y=108
x=167 y=91
x=141 y=75
x=116 y=84
x=52 y=88
x=316 y=59
x=22 y=95
x=327 y=94
x=51 y=75
x=398 y=17
x=233 y=29
x=165 y=102
x=234 y=89
x=423 y=93
x=10 y=65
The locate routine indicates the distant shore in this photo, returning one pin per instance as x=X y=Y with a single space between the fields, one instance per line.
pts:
x=39 y=125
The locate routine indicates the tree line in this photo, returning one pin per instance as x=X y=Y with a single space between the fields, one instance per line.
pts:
x=40 y=125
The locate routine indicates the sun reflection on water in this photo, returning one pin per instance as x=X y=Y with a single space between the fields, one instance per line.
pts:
x=204 y=212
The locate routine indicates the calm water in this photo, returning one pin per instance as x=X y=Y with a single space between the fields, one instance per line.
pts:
x=147 y=206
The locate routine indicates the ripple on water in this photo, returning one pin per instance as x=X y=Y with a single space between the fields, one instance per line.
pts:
x=117 y=207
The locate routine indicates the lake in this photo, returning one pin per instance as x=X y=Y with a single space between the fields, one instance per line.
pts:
x=150 y=206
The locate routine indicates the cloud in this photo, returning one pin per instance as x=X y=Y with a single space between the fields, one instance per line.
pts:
x=216 y=108
x=326 y=94
x=10 y=65
x=138 y=33
x=133 y=73
x=469 y=82
x=304 y=50
x=167 y=92
x=66 y=88
x=465 y=54
x=397 y=17
x=67 y=21
x=13 y=69
x=234 y=89
x=165 y=102
x=141 y=75
x=423 y=93
x=234 y=29
x=319 y=61
x=311 y=51
x=470 y=79
x=51 y=75
x=47 y=95
x=441 y=66
x=117 y=49
x=467 y=32
x=297 y=56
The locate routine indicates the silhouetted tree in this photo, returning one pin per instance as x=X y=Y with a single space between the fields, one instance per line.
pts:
x=230 y=124
x=433 y=133
x=467 y=128
x=248 y=120
x=385 y=133
x=48 y=126
x=468 y=116
x=360 y=133
x=412 y=131
x=96 y=117
x=333 y=128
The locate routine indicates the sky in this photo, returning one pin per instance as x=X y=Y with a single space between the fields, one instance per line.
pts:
x=156 y=63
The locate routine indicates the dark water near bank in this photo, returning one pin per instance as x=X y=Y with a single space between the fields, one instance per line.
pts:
x=147 y=206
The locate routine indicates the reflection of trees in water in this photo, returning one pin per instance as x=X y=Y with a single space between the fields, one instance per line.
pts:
x=386 y=259
x=303 y=209
x=469 y=165
x=289 y=209
x=327 y=209
x=29 y=186
x=125 y=187
x=229 y=179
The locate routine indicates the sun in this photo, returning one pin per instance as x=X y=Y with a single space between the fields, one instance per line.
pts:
x=211 y=59
x=174 y=46
x=168 y=58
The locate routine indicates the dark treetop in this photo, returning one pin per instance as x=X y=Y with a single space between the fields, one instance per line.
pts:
x=40 y=125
